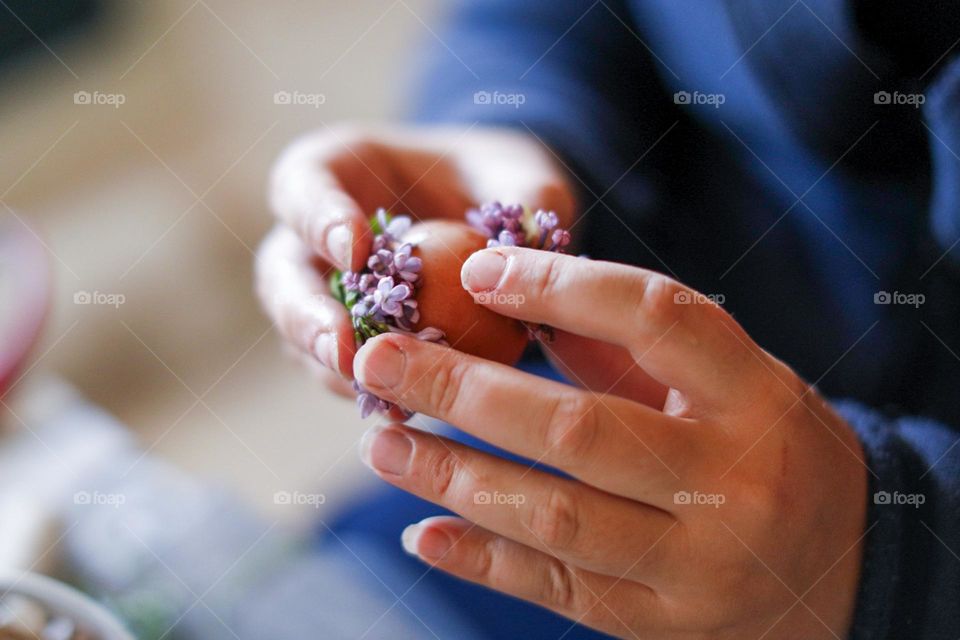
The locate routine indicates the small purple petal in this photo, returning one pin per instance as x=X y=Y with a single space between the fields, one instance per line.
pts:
x=561 y=238
x=382 y=219
x=430 y=334
x=368 y=403
x=398 y=227
x=400 y=292
x=546 y=220
x=367 y=282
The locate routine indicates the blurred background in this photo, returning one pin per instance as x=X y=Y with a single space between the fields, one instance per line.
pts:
x=137 y=139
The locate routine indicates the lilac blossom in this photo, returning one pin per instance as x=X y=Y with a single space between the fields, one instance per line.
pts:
x=369 y=403
x=388 y=297
x=512 y=226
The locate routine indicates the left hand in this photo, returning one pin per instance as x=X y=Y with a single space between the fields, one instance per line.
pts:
x=725 y=499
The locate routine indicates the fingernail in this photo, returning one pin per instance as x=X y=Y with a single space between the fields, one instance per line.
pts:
x=432 y=544
x=409 y=539
x=340 y=244
x=483 y=270
x=380 y=365
x=386 y=450
x=325 y=351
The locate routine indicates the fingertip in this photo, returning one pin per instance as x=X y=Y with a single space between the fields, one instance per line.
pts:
x=379 y=363
x=338 y=244
x=410 y=537
x=483 y=271
x=326 y=350
x=335 y=352
x=347 y=243
x=433 y=538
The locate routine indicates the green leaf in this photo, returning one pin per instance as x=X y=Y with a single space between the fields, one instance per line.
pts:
x=337 y=289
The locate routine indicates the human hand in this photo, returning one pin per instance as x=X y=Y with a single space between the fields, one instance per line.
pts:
x=733 y=507
x=325 y=187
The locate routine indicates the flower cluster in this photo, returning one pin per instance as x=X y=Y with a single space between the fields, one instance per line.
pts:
x=512 y=226
x=382 y=297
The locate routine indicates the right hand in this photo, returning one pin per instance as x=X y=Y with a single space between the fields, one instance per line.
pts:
x=327 y=184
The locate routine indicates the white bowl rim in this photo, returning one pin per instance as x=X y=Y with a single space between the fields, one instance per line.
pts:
x=64 y=600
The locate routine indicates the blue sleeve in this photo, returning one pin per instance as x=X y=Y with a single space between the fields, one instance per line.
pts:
x=910 y=581
x=574 y=73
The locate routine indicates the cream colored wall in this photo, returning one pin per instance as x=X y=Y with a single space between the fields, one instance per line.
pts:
x=162 y=200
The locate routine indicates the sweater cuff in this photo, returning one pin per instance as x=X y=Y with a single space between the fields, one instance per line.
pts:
x=880 y=570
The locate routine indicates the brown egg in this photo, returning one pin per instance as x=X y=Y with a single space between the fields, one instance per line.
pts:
x=444 y=246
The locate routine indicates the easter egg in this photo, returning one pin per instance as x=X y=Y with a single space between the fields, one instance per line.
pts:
x=444 y=246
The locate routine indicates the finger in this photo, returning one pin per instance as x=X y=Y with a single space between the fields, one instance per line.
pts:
x=294 y=294
x=592 y=529
x=307 y=195
x=676 y=334
x=619 y=607
x=603 y=367
x=609 y=442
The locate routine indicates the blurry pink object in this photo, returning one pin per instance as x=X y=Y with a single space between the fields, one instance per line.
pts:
x=24 y=297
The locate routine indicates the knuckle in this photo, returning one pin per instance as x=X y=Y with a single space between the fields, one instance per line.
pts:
x=485 y=563
x=550 y=281
x=556 y=522
x=571 y=429
x=563 y=591
x=445 y=387
x=443 y=473
x=659 y=301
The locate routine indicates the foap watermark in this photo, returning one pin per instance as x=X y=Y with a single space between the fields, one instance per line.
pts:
x=909 y=299
x=697 y=498
x=299 y=498
x=496 y=498
x=97 y=498
x=695 y=297
x=898 y=99
x=896 y=498
x=99 y=298
x=298 y=98
x=503 y=299
x=499 y=98
x=99 y=98
x=711 y=99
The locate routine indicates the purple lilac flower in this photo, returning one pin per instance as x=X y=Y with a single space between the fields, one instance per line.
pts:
x=507 y=238
x=509 y=225
x=393 y=229
x=546 y=222
x=388 y=297
x=561 y=238
x=368 y=402
x=367 y=283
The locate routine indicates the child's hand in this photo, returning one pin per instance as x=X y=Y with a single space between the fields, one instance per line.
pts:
x=731 y=506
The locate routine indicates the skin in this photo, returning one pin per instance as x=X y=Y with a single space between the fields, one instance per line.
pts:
x=712 y=493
